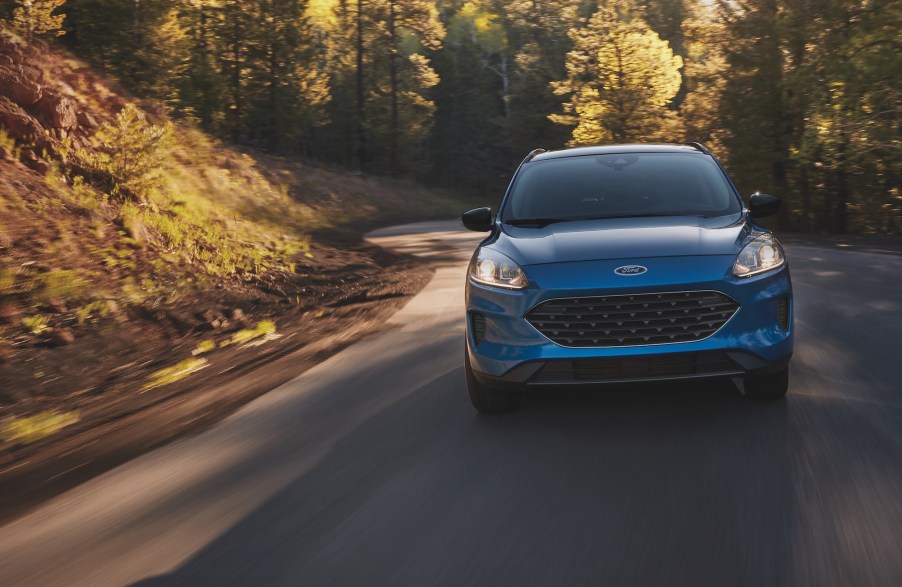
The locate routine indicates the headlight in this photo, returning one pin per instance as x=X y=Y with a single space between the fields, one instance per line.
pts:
x=493 y=268
x=762 y=254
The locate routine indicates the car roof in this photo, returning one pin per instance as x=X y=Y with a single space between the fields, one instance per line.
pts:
x=610 y=149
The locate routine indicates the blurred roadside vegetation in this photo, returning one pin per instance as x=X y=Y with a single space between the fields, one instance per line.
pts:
x=800 y=98
x=122 y=211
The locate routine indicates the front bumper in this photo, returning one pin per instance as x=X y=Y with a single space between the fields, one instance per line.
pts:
x=512 y=353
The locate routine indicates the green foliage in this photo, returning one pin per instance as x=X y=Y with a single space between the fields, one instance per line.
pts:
x=174 y=373
x=7 y=282
x=60 y=284
x=131 y=153
x=621 y=77
x=36 y=324
x=264 y=330
x=36 y=17
x=91 y=310
x=8 y=143
x=799 y=98
x=79 y=195
x=204 y=346
x=23 y=430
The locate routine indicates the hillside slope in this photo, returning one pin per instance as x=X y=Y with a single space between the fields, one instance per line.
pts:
x=141 y=260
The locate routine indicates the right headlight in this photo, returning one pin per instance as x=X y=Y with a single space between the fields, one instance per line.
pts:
x=762 y=254
x=492 y=268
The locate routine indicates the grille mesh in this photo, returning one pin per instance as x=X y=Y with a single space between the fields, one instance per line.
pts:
x=632 y=319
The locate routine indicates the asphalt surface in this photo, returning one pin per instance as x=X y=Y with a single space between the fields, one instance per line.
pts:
x=373 y=469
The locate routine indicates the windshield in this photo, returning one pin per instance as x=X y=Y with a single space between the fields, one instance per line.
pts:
x=618 y=185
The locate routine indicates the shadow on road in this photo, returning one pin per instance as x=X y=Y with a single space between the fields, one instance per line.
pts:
x=374 y=469
x=645 y=485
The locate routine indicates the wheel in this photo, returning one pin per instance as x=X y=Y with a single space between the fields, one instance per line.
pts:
x=486 y=399
x=772 y=386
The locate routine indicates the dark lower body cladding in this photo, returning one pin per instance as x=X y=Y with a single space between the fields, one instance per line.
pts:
x=632 y=369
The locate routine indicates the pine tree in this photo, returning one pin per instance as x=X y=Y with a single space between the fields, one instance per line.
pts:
x=33 y=18
x=472 y=106
x=539 y=42
x=704 y=76
x=621 y=77
x=398 y=113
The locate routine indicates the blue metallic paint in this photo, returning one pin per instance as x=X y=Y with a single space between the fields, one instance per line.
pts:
x=577 y=259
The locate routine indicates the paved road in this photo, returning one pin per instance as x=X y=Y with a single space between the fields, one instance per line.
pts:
x=372 y=469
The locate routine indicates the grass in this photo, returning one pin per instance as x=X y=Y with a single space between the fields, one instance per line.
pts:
x=211 y=214
x=36 y=324
x=203 y=347
x=175 y=373
x=8 y=144
x=28 y=429
x=91 y=310
x=265 y=329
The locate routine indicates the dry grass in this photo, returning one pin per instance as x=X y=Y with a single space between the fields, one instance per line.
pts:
x=29 y=429
x=175 y=373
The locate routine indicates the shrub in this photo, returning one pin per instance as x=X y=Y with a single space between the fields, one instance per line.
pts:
x=36 y=17
x=172 y=374
x=31 y=428
x=36 y=324
x=129 y=158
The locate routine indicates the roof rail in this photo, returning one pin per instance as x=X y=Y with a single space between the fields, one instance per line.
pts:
x=532 y=154
x=698 y=147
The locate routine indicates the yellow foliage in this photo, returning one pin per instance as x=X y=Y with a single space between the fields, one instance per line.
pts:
x=475 y=20
x=172 y=374
x=621 y=78
x=204 y=346
x=322 y=13
x=265 y=329
x=36 y=17
x=31 y=428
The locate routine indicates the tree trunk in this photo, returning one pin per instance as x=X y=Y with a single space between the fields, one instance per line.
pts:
x=840 y=213
x=805 y=224
x=359 y=134
x=236 y=80
x=136 y=21
x=393 y=74
x=206 y=114
x=505 y=85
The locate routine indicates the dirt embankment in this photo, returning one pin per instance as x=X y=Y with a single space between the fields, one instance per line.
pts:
x=135 y=308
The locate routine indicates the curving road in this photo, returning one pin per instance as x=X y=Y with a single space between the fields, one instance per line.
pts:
x=372 y=468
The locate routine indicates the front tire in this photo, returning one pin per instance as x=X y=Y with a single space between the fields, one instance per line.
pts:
x=484 y=398
x=771 y=386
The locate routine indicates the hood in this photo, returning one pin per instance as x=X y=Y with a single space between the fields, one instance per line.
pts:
x=622 y=238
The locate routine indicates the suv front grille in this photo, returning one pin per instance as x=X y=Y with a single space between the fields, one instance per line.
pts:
x=632 y=319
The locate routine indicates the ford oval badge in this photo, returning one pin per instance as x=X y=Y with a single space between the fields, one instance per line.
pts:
x=631 y=270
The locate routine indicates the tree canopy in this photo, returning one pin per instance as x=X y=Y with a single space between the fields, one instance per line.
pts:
x=801 y=98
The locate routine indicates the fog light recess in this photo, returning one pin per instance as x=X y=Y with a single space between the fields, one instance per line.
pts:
x=783 y=313
x=477 y=327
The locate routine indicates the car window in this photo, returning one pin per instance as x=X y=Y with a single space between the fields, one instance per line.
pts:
x=593 y=186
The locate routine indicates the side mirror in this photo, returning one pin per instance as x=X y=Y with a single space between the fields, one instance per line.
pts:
x=762 y=205
x=479 y=219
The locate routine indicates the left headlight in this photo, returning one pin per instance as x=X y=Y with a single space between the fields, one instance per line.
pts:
x=762 y=254
x=492 y=268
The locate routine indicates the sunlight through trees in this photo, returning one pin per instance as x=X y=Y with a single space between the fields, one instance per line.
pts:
x=801 y=98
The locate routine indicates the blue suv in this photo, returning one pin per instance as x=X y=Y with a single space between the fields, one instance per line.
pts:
x=621 y=264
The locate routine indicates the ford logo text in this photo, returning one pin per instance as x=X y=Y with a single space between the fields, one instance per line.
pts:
x=631 y=270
